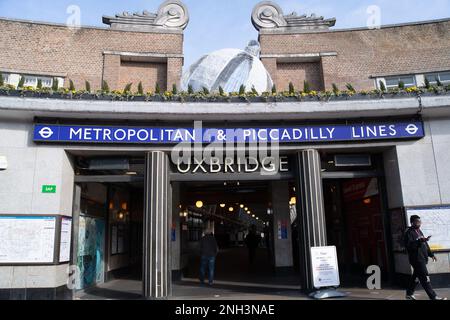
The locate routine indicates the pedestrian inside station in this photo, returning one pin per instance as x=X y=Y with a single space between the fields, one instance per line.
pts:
x=258 y=222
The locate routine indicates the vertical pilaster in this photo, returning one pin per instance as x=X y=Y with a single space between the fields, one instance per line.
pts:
x=311 y=210
x=176 y=228
x=157 y=222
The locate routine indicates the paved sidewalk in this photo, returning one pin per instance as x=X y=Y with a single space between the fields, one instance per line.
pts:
x=192 y=290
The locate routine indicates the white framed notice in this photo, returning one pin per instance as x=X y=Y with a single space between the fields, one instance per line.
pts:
x=325 y=267
x=27 y=239
x=435 y=223
x=65 y=239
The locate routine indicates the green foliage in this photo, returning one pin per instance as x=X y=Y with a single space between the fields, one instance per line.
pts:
x=190 y=89
x=140 y=88
x=306 y=87
x=274 y=89
x=401 y=85
x=71 y=85
x=2 y=82
x=55 y=84
x=21 y=82
x=39 y=84
x=254 y=91
x=350 y=87
x=157 y=89
x=174 y=89
x=427 y=83
x=127 y=88
x=221 y=91
x=205 y=91
x=291 y=88
x=105 y=86
x=382 y=86
x=242 y=90
x=87 y=86
x=336 y=90
x=438 y=82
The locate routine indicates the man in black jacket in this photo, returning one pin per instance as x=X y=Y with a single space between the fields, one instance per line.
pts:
x=418 y=252
x=208 y=250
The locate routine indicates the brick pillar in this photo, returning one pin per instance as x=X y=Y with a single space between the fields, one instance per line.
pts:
x=111 y=70
x=174 y=71
x=329 y=73
x=271 y=66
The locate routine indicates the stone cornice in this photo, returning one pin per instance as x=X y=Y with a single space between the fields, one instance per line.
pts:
x=27 y=108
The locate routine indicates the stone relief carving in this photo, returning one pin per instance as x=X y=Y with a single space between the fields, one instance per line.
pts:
x=172 y=14
x=269 y=15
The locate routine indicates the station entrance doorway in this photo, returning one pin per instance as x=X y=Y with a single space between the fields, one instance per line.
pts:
x=128 y=216
x=108 y=225
x=252 y=224
x=357 y=218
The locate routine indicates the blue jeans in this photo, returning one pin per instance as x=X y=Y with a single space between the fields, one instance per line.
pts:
x=207 y=262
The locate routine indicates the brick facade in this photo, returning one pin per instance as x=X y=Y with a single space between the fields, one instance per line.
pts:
x=321 y=58
x=78 y=54
x=148 y=73
x=360 y=54
x=298 y=73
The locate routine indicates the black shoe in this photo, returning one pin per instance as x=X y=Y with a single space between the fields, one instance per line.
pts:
x=410 y=297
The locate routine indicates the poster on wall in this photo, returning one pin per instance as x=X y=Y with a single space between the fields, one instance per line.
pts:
x=435 y=223
x=90 y=255
x=282 y=230
x=65 y=239
x=325 y=268
x=27 y=239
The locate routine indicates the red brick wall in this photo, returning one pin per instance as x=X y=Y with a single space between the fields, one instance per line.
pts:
x=297 y=73
x=146 y=72
x=78 y=53
x=363 y=53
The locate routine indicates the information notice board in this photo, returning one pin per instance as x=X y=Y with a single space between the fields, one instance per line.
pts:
x=325 y=268
x=435 y=223
x=27 y=239
x=65 y=239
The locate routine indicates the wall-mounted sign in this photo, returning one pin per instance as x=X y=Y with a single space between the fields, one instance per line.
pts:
x=325 y=268
x=234 y=165
x=295 y=134
x=282 y=229
x=48 y=189
x=27 y=239
x=435 y=223
x=65 y=239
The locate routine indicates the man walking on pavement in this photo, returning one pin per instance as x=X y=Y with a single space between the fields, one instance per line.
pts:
x=419 y=252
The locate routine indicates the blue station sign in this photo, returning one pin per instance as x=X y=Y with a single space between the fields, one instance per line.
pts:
x=99 y=134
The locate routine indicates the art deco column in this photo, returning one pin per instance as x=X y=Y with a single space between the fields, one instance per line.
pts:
x=157 y=220
x=311 y=211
